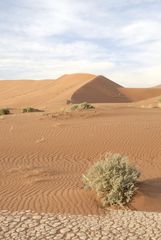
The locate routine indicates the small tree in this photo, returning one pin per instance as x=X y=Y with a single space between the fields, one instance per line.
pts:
x=113 y=179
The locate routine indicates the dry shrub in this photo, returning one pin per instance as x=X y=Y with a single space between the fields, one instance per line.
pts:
x=113 y=179
x=4 y=111
x=82 y=106
x=29 y=109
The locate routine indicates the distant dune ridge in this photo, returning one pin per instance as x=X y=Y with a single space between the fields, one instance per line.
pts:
x=78 y=88
x=158 y=86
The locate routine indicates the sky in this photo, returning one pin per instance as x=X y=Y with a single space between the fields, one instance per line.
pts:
x=120 y=39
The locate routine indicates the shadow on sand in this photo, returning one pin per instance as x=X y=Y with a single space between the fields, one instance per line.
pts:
x=151 y=187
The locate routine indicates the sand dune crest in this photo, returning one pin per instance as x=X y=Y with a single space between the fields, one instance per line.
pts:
x=80 y=87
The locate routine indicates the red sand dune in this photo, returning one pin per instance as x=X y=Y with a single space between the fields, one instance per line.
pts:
x=75 y=87
x=99 y=90
x=103 y=90
x=41 y=93
x=138 y=94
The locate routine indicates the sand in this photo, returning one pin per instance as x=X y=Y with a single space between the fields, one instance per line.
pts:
x=43 y=155
x=53 y=94
x=39 y=93
x=138 y=94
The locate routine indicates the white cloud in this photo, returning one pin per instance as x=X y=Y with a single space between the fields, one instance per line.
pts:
x=140 y=32
x=144 y=77
x=41 y=39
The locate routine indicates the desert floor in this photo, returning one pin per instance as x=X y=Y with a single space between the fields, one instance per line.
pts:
x=122 y=225
x=43 y=156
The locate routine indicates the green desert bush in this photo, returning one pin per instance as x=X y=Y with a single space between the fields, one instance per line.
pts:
x=113 y=179
x=4 y=111
x=82 y=106
x=29 y=109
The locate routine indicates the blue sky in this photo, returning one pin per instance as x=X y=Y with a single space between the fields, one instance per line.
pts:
x=120 y=39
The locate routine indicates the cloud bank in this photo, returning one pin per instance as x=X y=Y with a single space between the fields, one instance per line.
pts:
x=43 y=39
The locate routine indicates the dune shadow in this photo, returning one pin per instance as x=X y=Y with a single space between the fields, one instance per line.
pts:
x=150 y=187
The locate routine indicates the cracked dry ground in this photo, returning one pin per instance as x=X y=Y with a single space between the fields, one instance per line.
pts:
x=120 y=225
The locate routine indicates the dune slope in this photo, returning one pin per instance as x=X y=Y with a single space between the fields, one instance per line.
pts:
x=99 y=90
x=138 y=94
x=103 y=90
x=49 y=94
x=41 y=93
